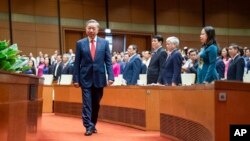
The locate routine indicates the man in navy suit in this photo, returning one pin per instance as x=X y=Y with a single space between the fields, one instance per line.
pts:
x=171 y=71
x=92 y=59
x=133 y=67
x=236 y=65
x=155 y=64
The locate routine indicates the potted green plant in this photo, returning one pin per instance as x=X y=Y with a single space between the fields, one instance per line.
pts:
x=10 y=60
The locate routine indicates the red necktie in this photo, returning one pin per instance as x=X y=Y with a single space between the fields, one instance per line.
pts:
x=92 y=49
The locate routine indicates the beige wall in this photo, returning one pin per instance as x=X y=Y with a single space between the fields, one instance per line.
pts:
x=35 y=22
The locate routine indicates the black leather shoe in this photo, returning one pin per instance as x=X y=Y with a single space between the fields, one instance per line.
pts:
x=88 y=133
x=94 y=130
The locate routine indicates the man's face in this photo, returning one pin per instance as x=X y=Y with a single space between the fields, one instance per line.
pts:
x=248 y=53
x=232 y=52
x=170 y=46
x=65 y=59
x=130 y=50
x=92 y=30
x=155 y=43
x=193 y=56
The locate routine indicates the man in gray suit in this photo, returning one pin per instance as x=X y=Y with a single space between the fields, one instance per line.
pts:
x=157 y=59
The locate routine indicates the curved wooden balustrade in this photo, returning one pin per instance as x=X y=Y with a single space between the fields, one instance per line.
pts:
x=180 y=113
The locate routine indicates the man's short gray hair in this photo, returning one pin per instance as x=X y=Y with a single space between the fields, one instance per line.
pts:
x=173 y=40
x=92 y=21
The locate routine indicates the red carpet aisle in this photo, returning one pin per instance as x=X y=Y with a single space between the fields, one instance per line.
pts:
x=60 y=128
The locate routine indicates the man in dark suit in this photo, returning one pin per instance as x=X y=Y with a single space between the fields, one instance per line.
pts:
x=236 y=65
x=92 y=59
x=171 y=69
x=67 y=67
x=57 y=68
x=133 y=67
x=155 y=63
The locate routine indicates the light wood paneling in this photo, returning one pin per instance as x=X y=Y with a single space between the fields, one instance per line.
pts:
x=142 y=13
x=215 y=15
x=190 y=13
x=71 y=37
x=118 y=43
x=126 y=98
x=46 y=8
x=152 y=109
x=4 y=30
x=233 y=110
x=67 y=93
x=47 y=99
x=94 y=9
x=4 y=6
x=239 y=14
x=143 y=42
x=191 y=103
x=23 y=7
x=120 y=12
x=72 y=9
x=37 y=38
x=168 y=12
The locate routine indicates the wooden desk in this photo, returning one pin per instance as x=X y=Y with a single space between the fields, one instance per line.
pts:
x=20 y=106
x=181 y=113
x=132 y=106
x=120 y=105
x=47 y=96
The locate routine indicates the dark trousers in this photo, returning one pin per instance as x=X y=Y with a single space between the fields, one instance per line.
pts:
x=91 y=98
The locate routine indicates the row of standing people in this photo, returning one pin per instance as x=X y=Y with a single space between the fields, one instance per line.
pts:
x=62 y=65
x=166 y=65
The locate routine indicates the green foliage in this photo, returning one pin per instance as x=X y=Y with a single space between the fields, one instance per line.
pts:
x=9 y=59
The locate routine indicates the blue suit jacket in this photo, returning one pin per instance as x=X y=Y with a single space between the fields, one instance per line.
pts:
x=236 y=69
x=171 y=69
x=132 y=70
x=88 y=72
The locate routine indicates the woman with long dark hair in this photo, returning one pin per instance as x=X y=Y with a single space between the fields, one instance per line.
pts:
x=207 y=64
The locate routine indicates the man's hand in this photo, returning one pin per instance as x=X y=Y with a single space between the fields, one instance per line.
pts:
x=76 y=85
x=173 y=84
x=110 y=82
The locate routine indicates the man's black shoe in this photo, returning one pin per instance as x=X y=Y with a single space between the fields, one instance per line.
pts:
x=88 y=133
x=94 y=130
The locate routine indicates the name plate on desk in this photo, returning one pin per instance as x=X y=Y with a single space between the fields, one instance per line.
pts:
x=65 y=79
x=48 y=79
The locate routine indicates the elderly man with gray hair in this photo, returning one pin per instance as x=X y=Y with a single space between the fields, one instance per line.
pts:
x=171 y=69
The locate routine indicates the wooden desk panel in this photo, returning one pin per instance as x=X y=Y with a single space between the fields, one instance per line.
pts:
x=182 y=112
x=47 y=95
x=187 y=113
x=235 y=110
x=20 y=106
x=120 y=96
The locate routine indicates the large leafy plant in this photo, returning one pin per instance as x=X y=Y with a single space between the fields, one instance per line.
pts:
x=10 y=59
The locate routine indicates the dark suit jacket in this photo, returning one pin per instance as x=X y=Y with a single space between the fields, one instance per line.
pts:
x=67 y=69
x=194 y=68
x=88 y=72
x=248 y=66
x=59 y=71
x=171 y=69
x=236 y=69
x=132 y=70
x=143 y=68
x=154 y=66
x=220 y=67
